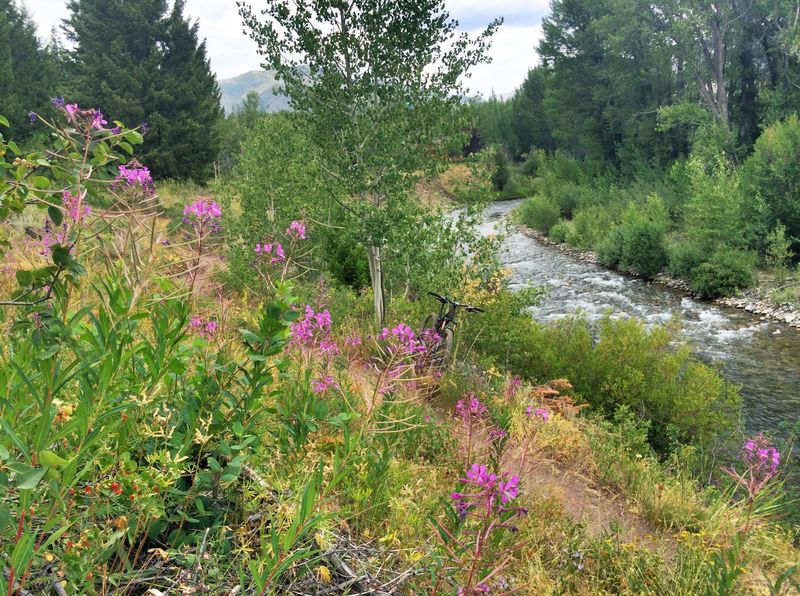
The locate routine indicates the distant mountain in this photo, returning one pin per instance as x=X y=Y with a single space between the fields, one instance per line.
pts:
x=235 y=90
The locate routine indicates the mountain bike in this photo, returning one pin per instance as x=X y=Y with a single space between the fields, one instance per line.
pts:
x=441 y=325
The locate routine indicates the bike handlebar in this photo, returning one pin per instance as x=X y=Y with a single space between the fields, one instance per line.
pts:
x=466 y=307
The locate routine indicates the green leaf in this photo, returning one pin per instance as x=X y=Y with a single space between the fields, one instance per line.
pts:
x=250 y=337
x=40 y=181
x=14 y=147
x=133 y=137
x=48 y=458
x=238 y=429
x=4 y=454
x=214 y=464
x=126 y=147
x=4 y=122
x=55 y=214
x=61 y=256
x=24 y=277
x=30 y=479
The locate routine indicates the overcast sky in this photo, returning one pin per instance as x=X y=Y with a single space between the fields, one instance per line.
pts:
x=232 y=52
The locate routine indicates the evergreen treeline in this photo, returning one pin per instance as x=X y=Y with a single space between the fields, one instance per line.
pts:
x=138 y=61
x=670 y=132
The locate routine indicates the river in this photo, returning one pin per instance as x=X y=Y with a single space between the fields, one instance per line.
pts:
x=763 y=357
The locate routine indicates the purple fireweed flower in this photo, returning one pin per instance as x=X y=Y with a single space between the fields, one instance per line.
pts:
x=136 y=175
x=489 y=493
x=58 y=102
x=403 y=332
x=320 y=386
x=313 y=331
x=542 y=413
x=495 y=434
x=351 y=341
x=203 y=328
x=280 y=256
x=508 y=490
x=512 y=387
x=762 y=461
x=296 y=230
x=329 y=347
x=32 y=116
x=470 y=407
x=72 y=111
x=117 y=130
x=203 y=215
x=76 y=209
x=144 y=127
x=264 y=248
x=97 y=119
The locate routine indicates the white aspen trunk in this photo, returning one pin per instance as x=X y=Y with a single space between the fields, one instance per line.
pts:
x=376 y=276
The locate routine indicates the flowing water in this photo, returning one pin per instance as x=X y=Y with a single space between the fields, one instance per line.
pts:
x=763 y=357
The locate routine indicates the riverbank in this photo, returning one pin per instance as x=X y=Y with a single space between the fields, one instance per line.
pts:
x=750 y=300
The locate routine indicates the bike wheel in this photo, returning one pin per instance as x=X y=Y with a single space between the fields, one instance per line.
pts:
x=445 y=351
x=430 y=322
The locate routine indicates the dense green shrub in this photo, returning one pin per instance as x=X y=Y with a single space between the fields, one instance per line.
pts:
x=609 y=251
x=567 y=195
x=649 y=371
x=772 y=172
x=684 y=256
x=540 y=213
x=727 y=271
x=501 y=173
x=590 y=226
x=643 y=248
x=643 y=243
x=560 y=231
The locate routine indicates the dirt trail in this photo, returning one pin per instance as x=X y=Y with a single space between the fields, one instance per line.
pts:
x=600 y=509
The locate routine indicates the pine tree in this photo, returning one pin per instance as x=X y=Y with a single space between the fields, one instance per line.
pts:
x=140 y=64
x=26 y=75
x=184 y=138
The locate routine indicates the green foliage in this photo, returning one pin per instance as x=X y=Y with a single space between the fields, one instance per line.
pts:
x=501 y=174
x=779 y=253
x=609 y=251
x=139 y=63
x=727 y=271
x=560 y=231
x=642 y=232
x=540 y=213
x=379 y=86
x=28 y=71
x=772 y=173
x=649 y=371
x=590 y=226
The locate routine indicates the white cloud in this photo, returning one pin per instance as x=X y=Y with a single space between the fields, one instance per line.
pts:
x=232 y=52
x=513 y=54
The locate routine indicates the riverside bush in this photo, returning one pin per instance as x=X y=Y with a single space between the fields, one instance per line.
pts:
x=629 y=365
x=725 y=273
x=540 y=213
x=560 y=232
x=772 y=173
x=590 y=226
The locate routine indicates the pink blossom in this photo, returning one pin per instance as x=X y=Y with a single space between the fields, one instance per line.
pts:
x=320 y=386
x=296 y=230
x=351 y=341
x=471 y=408
x=133 y=176
x=76 y=210
x=72 y=111
x=97 y=119
x=542 y=413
